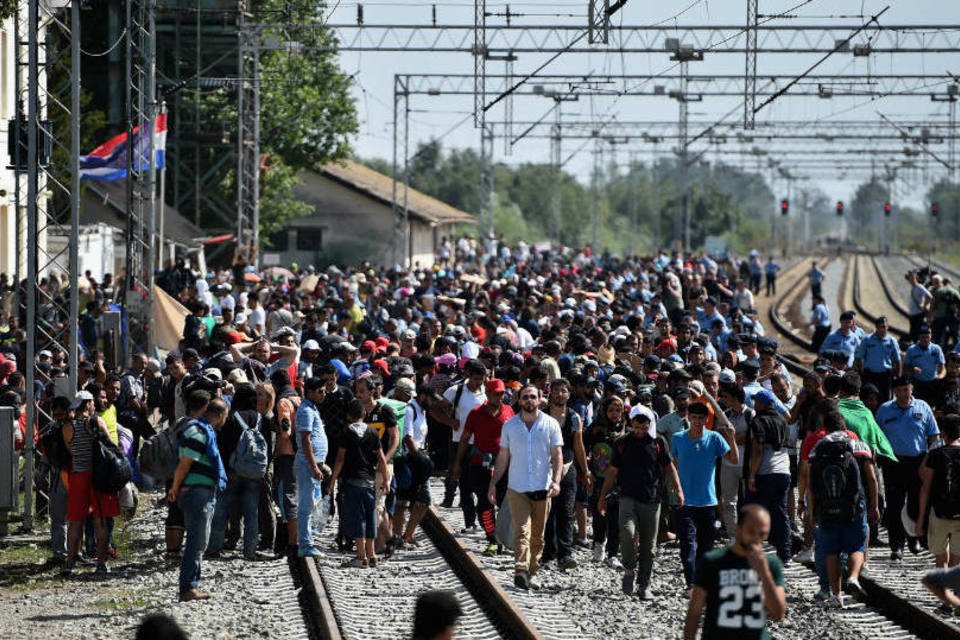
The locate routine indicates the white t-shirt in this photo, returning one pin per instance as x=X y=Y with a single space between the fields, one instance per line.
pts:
x=257 y=318
x=468 y=400
x=415 y=424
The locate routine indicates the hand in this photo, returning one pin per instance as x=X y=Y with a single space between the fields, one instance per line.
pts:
x=680 y=499
x=752 y=485
x=455 y=474
x=588 y=481
x=554 y=490
x=173 y=494
x=602 y=506
x=316 y=472
x=756 y=558
x=920 y=529
x=492 y=494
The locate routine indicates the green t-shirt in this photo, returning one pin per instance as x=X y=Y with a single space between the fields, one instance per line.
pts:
x=194 y=446
x=735 y=608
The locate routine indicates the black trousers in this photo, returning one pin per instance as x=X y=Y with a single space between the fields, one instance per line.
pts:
x=819 y=335
x=902 y=482
x=606 y=528
x=558 y=537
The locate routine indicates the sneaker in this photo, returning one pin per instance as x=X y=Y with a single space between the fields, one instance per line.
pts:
x=597 y=552
x=491 y=550
x=835 y=602
x=822 y=596
x=805 y=556
x=855 y=589
x=896 y=554
x=309 y=552
x=614 y=562
x=469 y=529
x=567 y=564
x=194 y=594
x=644 y=594
x=914 y=545
x=628 y=582
x=582 y=542
x=521 y=581
x=354 y=563
x=397 y=543
x=258 y=556
x=534 y=583
x=372 y=562
x=102 y=570
x=212 y=555
x=67 y=569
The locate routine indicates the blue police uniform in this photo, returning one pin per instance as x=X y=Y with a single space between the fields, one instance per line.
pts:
x=837 y=341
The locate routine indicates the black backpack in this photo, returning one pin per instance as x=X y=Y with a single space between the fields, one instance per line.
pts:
x=946 y=499
x=835 y=483
x=54 y=448
x=111 y=469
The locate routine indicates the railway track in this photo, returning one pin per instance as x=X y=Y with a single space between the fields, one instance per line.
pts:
x=895 y=321
x=888 y=289
x=343 y=604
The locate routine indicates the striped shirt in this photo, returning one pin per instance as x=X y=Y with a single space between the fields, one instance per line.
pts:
x=81 y=447
x=193 y=445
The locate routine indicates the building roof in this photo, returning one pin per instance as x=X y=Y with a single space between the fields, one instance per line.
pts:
x=380 y=187
x=107 y=202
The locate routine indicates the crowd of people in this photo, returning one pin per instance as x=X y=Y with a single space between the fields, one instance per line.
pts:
x=568 y=398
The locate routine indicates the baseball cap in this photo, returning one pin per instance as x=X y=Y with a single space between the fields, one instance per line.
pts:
x=641 y=412
x=765 y=396
x=311 y=345
x=681 y=392
x=728 y=377
x=407 y=385
x=190 y=352
x=368 y=345
x=409 y=335
x=495 y=385
x=80 y=398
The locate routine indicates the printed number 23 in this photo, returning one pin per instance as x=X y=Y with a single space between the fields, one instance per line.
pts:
x=731 y=601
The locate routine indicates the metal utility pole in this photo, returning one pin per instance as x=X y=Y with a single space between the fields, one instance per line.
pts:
x=479 y=60
x=52 y=199
x=750 y=73
x=598 y=21
x=683 y=54
x=556 y=153
x=401 y=142
x=486 y=181
x=248 y=138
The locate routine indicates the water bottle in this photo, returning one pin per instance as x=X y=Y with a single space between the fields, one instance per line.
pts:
x=318 y=517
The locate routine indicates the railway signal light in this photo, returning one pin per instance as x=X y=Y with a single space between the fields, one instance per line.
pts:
x=784 y=207
x=839 y=207
x=886 y=208
x=934 y=209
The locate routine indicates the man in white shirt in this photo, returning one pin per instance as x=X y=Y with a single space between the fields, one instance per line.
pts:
x=531 y=446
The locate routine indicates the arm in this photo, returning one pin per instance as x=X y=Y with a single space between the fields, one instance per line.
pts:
x=580 y=456
x=608 y=481
x=802 y=481
x=337 y=468
x=926 y=480
x=670 y=469
x=733 y=455
x=288 y=353
x=462 y=449
x=556 y=467
x=756 y=453
x=237 y=351
x=394 y=441
x=307 y=449
x=183 y=468
x=774 y=598
x=698 y=599
x=382 y=466
x=500 y=468
x=873 y=490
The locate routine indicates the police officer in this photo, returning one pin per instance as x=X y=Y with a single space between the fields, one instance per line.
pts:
x=878 y=358
x=923 y=364
x=843 y=339
x=911 y=429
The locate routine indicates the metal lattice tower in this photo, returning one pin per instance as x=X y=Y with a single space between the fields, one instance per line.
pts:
x=598 y=25
x=399 y=253
x=248 y=138
x=141 y=118
x=50 y=100
x=479 y=61
x=750 y=73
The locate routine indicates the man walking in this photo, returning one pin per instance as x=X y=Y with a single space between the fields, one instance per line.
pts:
x=923 y=364
x=878 y=358
x=910 y=427
x=308 y=464
x=920 y=300
x=816 y=276
x=199 y=476
x=639 y=464
x=531 y=447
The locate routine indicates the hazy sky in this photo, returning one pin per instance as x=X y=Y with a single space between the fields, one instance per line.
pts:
x=432 y=116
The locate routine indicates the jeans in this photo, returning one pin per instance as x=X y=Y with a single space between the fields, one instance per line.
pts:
x=771 y=493
x=606 y=528
x=695 y=528
x=248 y=493
x=529 y=518
x=639 y=522
x=58 y=515
x=307 y=486
x=197 y=505
x=559 y=532
x=729 y=493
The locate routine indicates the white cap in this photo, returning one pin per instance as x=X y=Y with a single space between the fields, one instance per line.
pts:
x=80 y=398
x=311 y=345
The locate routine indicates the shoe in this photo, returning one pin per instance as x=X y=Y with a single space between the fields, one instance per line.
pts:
x=822 y=596
x=896 y=554
x=469 y=529
x=805 y=556
x=67 y=569
x=354 y=563
x=397 y=543
x=665 y=537
x=194 y=594
x=914 y=545
x=259 y=556
x=597 y=552
x=102 y=570
x=213 y=555
x=835 y=602
x=855 y=589
x=54 y=561
x=534 y=583
x=582 y=542
x=628 y=582
x=412 y=542
x=372 y=562
x=172 y=554
x=491 y=550
x=614 y=562
x=644 y=594
x=567 y=564
x=447 y=504
x=521 y=581
x=309 y=552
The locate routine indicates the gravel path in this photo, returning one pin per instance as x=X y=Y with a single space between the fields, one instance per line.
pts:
x=835 y=273
x=250 y=600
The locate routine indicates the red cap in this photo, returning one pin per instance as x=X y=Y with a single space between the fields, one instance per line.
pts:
x=368 y=345
x=234 y=337
x=495 y=385
x=382 y=343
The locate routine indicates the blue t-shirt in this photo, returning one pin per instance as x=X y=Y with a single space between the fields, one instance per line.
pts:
x=308 y=421
x=696 y=463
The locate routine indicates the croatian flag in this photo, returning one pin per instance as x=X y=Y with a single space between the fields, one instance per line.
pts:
x=108 y=162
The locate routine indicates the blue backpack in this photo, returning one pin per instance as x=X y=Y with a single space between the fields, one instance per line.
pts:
x=249 y=460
